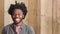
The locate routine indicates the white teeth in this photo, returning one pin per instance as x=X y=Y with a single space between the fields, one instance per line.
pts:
x=17 y=19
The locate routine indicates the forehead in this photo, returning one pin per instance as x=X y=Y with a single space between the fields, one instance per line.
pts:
x=18 y=11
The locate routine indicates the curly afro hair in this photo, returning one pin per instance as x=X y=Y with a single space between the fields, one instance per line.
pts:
x=17 y=6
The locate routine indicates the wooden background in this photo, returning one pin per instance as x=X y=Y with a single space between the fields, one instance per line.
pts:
x=1 y=14
x=43 y=15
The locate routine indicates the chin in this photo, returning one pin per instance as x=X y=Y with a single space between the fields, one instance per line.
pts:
x=16 y=22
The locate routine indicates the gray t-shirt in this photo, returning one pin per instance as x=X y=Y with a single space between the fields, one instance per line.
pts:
x=25 y=29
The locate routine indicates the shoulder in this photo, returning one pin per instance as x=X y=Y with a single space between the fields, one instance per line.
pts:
x=28 y=26
x=6 y=27
x=30 y=29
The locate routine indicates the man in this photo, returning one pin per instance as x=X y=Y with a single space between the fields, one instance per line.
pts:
x=18 y=12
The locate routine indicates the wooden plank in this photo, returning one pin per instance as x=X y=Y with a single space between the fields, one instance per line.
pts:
x=34 y=15
x=1 y=15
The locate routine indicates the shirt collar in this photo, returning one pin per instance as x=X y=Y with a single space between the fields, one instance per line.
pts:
x=14 y=26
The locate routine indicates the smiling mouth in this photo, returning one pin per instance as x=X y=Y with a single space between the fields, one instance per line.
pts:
x=17 y=19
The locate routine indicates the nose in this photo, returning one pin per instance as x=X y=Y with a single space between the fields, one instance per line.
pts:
x=16 y=16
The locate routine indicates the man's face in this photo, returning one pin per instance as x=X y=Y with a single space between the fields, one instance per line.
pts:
x=17 y=16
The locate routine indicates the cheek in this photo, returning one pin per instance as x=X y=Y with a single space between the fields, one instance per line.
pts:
x=21 y=16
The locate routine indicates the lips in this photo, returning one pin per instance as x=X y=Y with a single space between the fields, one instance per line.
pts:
x=17 y=19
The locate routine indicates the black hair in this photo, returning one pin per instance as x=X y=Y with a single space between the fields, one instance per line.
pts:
x=18 y=6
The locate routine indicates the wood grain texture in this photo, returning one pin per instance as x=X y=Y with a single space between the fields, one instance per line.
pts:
x=1 y=15
x=34 y=15
x=56 y=17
